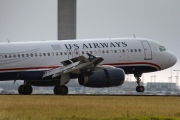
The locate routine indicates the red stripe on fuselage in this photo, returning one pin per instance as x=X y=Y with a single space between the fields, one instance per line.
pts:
x=51 y=67
x=30 y=68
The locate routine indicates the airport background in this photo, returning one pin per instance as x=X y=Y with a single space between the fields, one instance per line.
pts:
x=159 y=20
x=128 y=88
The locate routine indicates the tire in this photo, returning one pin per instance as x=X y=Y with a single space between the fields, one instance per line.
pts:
x=64 y=90
x=26 y=89
x=20 y=89
x=29 y=89
x=137 y=89
x=60 y=90
x=141 y=88
x=57 y=90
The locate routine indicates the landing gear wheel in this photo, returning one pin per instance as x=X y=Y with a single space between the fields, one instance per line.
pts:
x=56 y=90
x=25 y=89
x=140 y=88
x=20 y=89
x=64 y=90
x=60 y=90
x=137 y=89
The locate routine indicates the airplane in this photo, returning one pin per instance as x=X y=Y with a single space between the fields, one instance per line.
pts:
x=95 y=63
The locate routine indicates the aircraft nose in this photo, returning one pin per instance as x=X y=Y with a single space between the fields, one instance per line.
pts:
x=173 y=59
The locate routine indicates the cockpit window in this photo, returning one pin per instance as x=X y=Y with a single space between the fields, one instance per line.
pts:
x=162 y=48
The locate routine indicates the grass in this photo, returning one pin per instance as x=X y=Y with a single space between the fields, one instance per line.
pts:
x=51 y=107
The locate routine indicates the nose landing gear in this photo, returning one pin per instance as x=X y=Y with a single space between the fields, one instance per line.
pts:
x=139 y=88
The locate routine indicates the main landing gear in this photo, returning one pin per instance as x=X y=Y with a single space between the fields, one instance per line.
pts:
x=139 y=88
x=60 y=90
x=25 y=89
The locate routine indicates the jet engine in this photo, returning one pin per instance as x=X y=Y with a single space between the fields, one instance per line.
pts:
x=103 y=78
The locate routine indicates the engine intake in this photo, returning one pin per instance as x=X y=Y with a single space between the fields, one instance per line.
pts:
x=103 y=78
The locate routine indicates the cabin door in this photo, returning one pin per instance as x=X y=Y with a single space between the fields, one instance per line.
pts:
x=147 y=50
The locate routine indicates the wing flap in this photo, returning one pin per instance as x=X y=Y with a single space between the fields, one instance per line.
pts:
x=75 y=64
x=59 y=69
x=73 y=60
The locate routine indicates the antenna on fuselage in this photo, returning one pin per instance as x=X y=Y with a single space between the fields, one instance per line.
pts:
x=134 y=35
x=8 y=40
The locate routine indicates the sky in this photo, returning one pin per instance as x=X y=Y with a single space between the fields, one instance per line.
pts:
x=159 y=20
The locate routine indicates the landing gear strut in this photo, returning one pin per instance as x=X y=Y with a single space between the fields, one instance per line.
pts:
x=60 y=90
x=139 y=88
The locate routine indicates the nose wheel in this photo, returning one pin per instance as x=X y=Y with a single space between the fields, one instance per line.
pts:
x=139 y=88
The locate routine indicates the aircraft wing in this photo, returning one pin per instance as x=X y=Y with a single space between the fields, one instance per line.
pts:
x=76 y=65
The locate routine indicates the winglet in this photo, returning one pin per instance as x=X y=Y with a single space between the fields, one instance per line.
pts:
x=91 y=57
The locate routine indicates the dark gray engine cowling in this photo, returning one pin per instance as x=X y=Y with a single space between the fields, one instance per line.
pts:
x=103 y=78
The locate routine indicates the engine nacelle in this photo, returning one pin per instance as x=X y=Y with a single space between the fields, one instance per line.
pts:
x=103 y=78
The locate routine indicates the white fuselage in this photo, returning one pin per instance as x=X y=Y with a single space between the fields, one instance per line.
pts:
x=132 y=54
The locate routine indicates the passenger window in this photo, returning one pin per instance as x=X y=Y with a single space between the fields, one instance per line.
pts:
x=115 y=51
x=9 y=56
x=5 y=56
x=1 y=56
x=19 y=55
x=103 y=51
x=99 y=52
x=90 y=52
x=48 y=54
x=139 y=50
x=35 y=54
x=22 y=55
x=107 y=51
x=57 y=54
x=65 y=53
x=95 y=52
x=82 y=52
x=44 y=54
x=14 y=55
x=119 y=51
x=123 y=51
x=61 y=53
x=31 y=55
x=40 y=54
x=52 y=54
x=131 y=50
x=135 y=50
